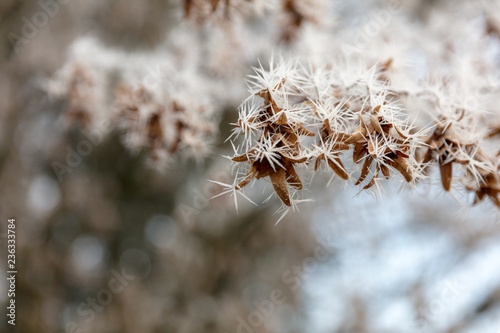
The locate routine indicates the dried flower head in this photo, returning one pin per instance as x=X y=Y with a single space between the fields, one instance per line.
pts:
x=278 y=148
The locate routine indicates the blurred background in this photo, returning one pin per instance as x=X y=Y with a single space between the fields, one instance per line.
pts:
x=119 y=246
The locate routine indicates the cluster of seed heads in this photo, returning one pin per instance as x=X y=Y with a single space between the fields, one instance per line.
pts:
x=156 y=121
x=296 y=116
